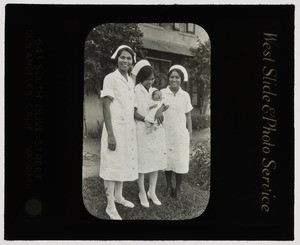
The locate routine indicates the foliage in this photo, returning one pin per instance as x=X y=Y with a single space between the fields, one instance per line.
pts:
x=199 y=71
x=200 y=122
x=200 y=163
x=100 y=44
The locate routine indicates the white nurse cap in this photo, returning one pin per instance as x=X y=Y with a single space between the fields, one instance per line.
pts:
x=185 y=75
x=138 y=66
x=120 y=47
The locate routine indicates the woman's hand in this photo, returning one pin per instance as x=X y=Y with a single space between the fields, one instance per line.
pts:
x=111 y=142
x=152 y=106
x=137 y=116
x=189 y=124
x=165 y=107
x=191 y=137
x=159 y=116
x=107 y=120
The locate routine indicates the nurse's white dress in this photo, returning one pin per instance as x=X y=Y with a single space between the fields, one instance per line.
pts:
x=151 y=147
x=177 y=135
x=121 y=164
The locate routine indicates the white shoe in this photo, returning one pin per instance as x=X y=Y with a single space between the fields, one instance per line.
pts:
x=113 y=214
x=153 y=198
x=144 y=202
x=125 y=202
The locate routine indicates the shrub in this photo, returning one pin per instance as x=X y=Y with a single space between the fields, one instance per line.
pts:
x=201 y=122
x=200 y=164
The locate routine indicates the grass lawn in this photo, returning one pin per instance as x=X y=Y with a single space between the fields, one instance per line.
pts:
x=191 y=203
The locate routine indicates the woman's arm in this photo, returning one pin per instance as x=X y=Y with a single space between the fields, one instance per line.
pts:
x=107 y=119
x=189 y=123
x=158 y=115
x=138 y=116
x=152 y=106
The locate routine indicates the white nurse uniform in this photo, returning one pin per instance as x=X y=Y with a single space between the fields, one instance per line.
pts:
x=177 y=135
x=121 y=164
x=151 y=147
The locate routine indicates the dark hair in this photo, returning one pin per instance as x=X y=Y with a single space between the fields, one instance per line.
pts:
x=144 y=73
x=180 y=73
x=128 y=50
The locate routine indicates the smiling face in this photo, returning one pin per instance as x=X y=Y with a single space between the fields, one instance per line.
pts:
x=124 y=61
x=174 y=80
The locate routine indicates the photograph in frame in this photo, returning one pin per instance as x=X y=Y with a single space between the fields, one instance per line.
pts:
x=178 y=173
x=53 y=125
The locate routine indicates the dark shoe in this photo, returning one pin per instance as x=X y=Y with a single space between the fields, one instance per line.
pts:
x=169 y=191
x=176 y=193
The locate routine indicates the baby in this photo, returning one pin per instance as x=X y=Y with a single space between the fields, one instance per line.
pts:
x=156 y=102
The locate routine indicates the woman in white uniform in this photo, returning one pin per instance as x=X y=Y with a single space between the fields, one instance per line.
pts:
x=118 y=142
x=178 y=128
x=151 y=147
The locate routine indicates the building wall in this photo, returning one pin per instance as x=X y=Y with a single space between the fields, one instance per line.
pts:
x=167 y=33
x=168 y=44
x=93 y=115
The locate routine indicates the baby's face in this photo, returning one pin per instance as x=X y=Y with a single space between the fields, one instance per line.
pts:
x=157 y=96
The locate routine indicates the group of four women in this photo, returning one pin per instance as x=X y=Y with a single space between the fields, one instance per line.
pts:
x=129 y=150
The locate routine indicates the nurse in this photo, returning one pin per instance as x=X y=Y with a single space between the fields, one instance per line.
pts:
x=178 y=128
x=151 y=147
x=118 y=142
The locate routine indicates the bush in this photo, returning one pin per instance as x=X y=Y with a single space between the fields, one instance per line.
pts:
x=201 y=122
x=200 y=164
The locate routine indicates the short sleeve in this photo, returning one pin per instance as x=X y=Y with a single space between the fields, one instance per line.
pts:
x=108 y=88
x=188 y=104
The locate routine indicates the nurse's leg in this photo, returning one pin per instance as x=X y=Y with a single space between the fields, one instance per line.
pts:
x=111 y=208
x=142 y=192
x=119 y=195
x=178 y=184
x=152 y=186
x=169 y=182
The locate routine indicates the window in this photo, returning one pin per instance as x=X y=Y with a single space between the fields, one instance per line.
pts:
x=159 y=64
x=161 y=67
x=190 y=28
x=177 y=26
